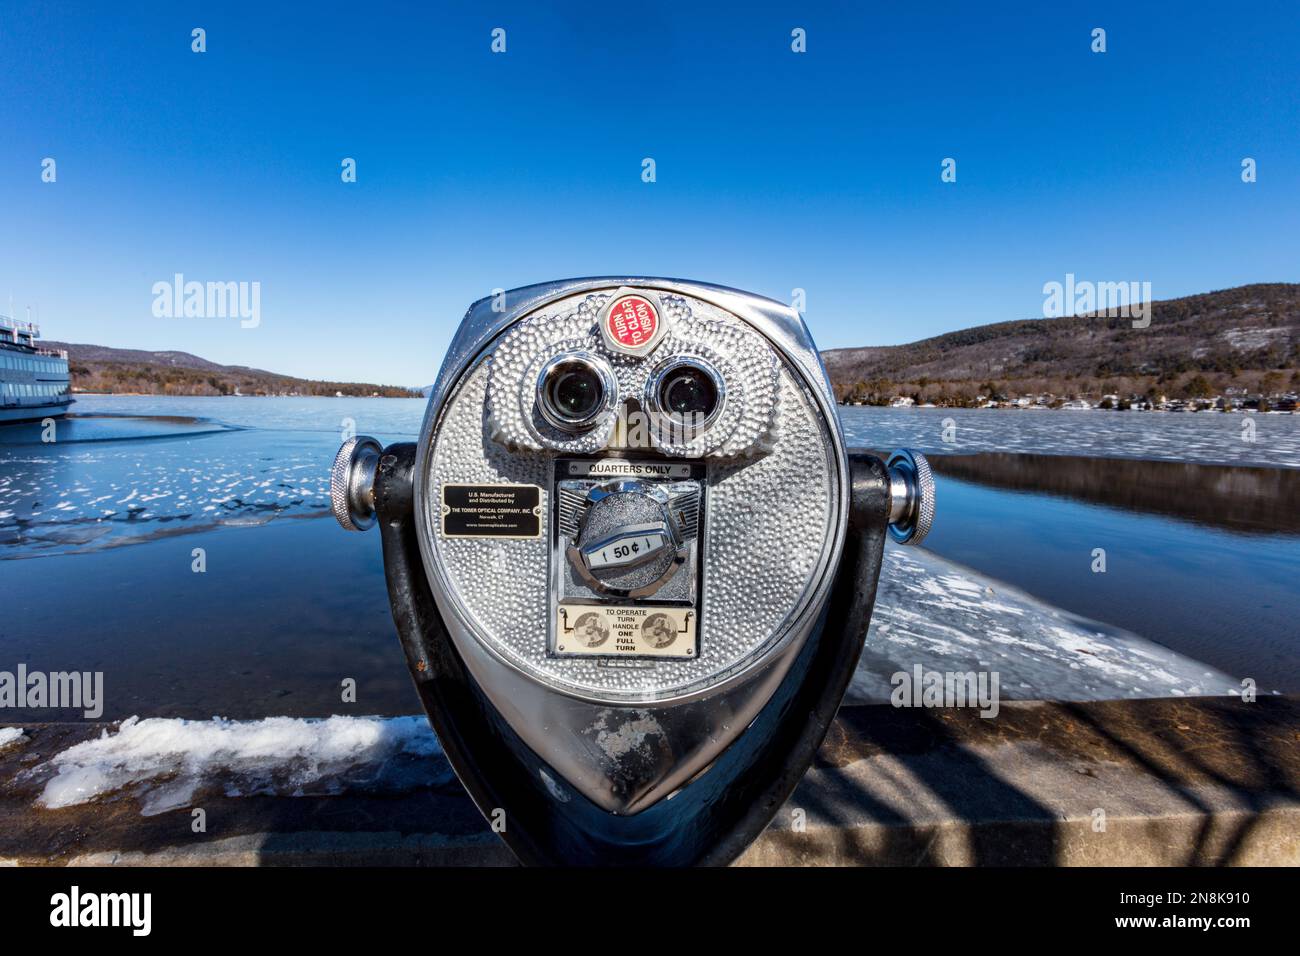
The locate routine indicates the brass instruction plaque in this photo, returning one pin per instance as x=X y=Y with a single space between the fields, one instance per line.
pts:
x=611 y=630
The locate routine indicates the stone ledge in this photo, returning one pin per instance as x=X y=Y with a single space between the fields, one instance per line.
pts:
x=1185 y=781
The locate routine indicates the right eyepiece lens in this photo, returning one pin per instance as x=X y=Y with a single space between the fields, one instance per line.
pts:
x=574 y=392
x=688 y=392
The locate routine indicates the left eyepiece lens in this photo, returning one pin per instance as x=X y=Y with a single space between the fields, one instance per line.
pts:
x=573 y=392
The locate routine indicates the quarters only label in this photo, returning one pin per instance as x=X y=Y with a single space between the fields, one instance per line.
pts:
x=612 y=467
x=491 y=511
x=625 y=631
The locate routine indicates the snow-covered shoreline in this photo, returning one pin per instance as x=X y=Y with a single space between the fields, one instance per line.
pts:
x=166 y=762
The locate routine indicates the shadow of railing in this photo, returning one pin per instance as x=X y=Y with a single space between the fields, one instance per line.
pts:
x=1209 y=767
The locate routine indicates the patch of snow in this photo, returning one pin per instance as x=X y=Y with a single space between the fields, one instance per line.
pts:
x=1250 y=339
x=164 y=762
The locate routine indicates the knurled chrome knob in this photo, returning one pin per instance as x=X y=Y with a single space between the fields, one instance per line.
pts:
x=911 y=496
x=352 y=481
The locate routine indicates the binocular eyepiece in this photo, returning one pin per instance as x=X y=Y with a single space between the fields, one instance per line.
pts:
x=574 y=390
x=631 y=562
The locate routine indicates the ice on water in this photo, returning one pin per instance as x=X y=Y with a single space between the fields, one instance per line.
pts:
x=947 y=618
x=1202 y=437
x=242 y=461
x=130 y=470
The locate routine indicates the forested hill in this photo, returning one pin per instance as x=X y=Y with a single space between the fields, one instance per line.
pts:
x=98 y=368
x=1233 y=337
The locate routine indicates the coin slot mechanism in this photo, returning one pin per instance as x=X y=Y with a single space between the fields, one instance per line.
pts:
x=625 y=572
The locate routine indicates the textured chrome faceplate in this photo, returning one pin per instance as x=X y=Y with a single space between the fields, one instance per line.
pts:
x=769 y=527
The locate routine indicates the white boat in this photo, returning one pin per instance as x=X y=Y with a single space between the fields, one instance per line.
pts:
x=34 y=382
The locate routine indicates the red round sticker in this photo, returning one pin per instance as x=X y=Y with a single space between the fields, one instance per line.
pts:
x=632 y=321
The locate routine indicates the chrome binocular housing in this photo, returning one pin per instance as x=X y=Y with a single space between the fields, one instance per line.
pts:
x=631 y=562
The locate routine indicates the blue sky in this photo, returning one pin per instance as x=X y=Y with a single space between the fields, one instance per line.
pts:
x=775 y=170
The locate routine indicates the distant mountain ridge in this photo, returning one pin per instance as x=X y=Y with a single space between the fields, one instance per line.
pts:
x=103 y=353
x=1246 y=337
x=101 y=368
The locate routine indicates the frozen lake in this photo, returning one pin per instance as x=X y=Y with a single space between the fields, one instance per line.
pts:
x=248 y=460
x=97 y=530
x=1204 y=437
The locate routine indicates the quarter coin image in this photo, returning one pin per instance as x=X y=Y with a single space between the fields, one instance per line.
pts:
x=590 y=630
x=659 y=630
